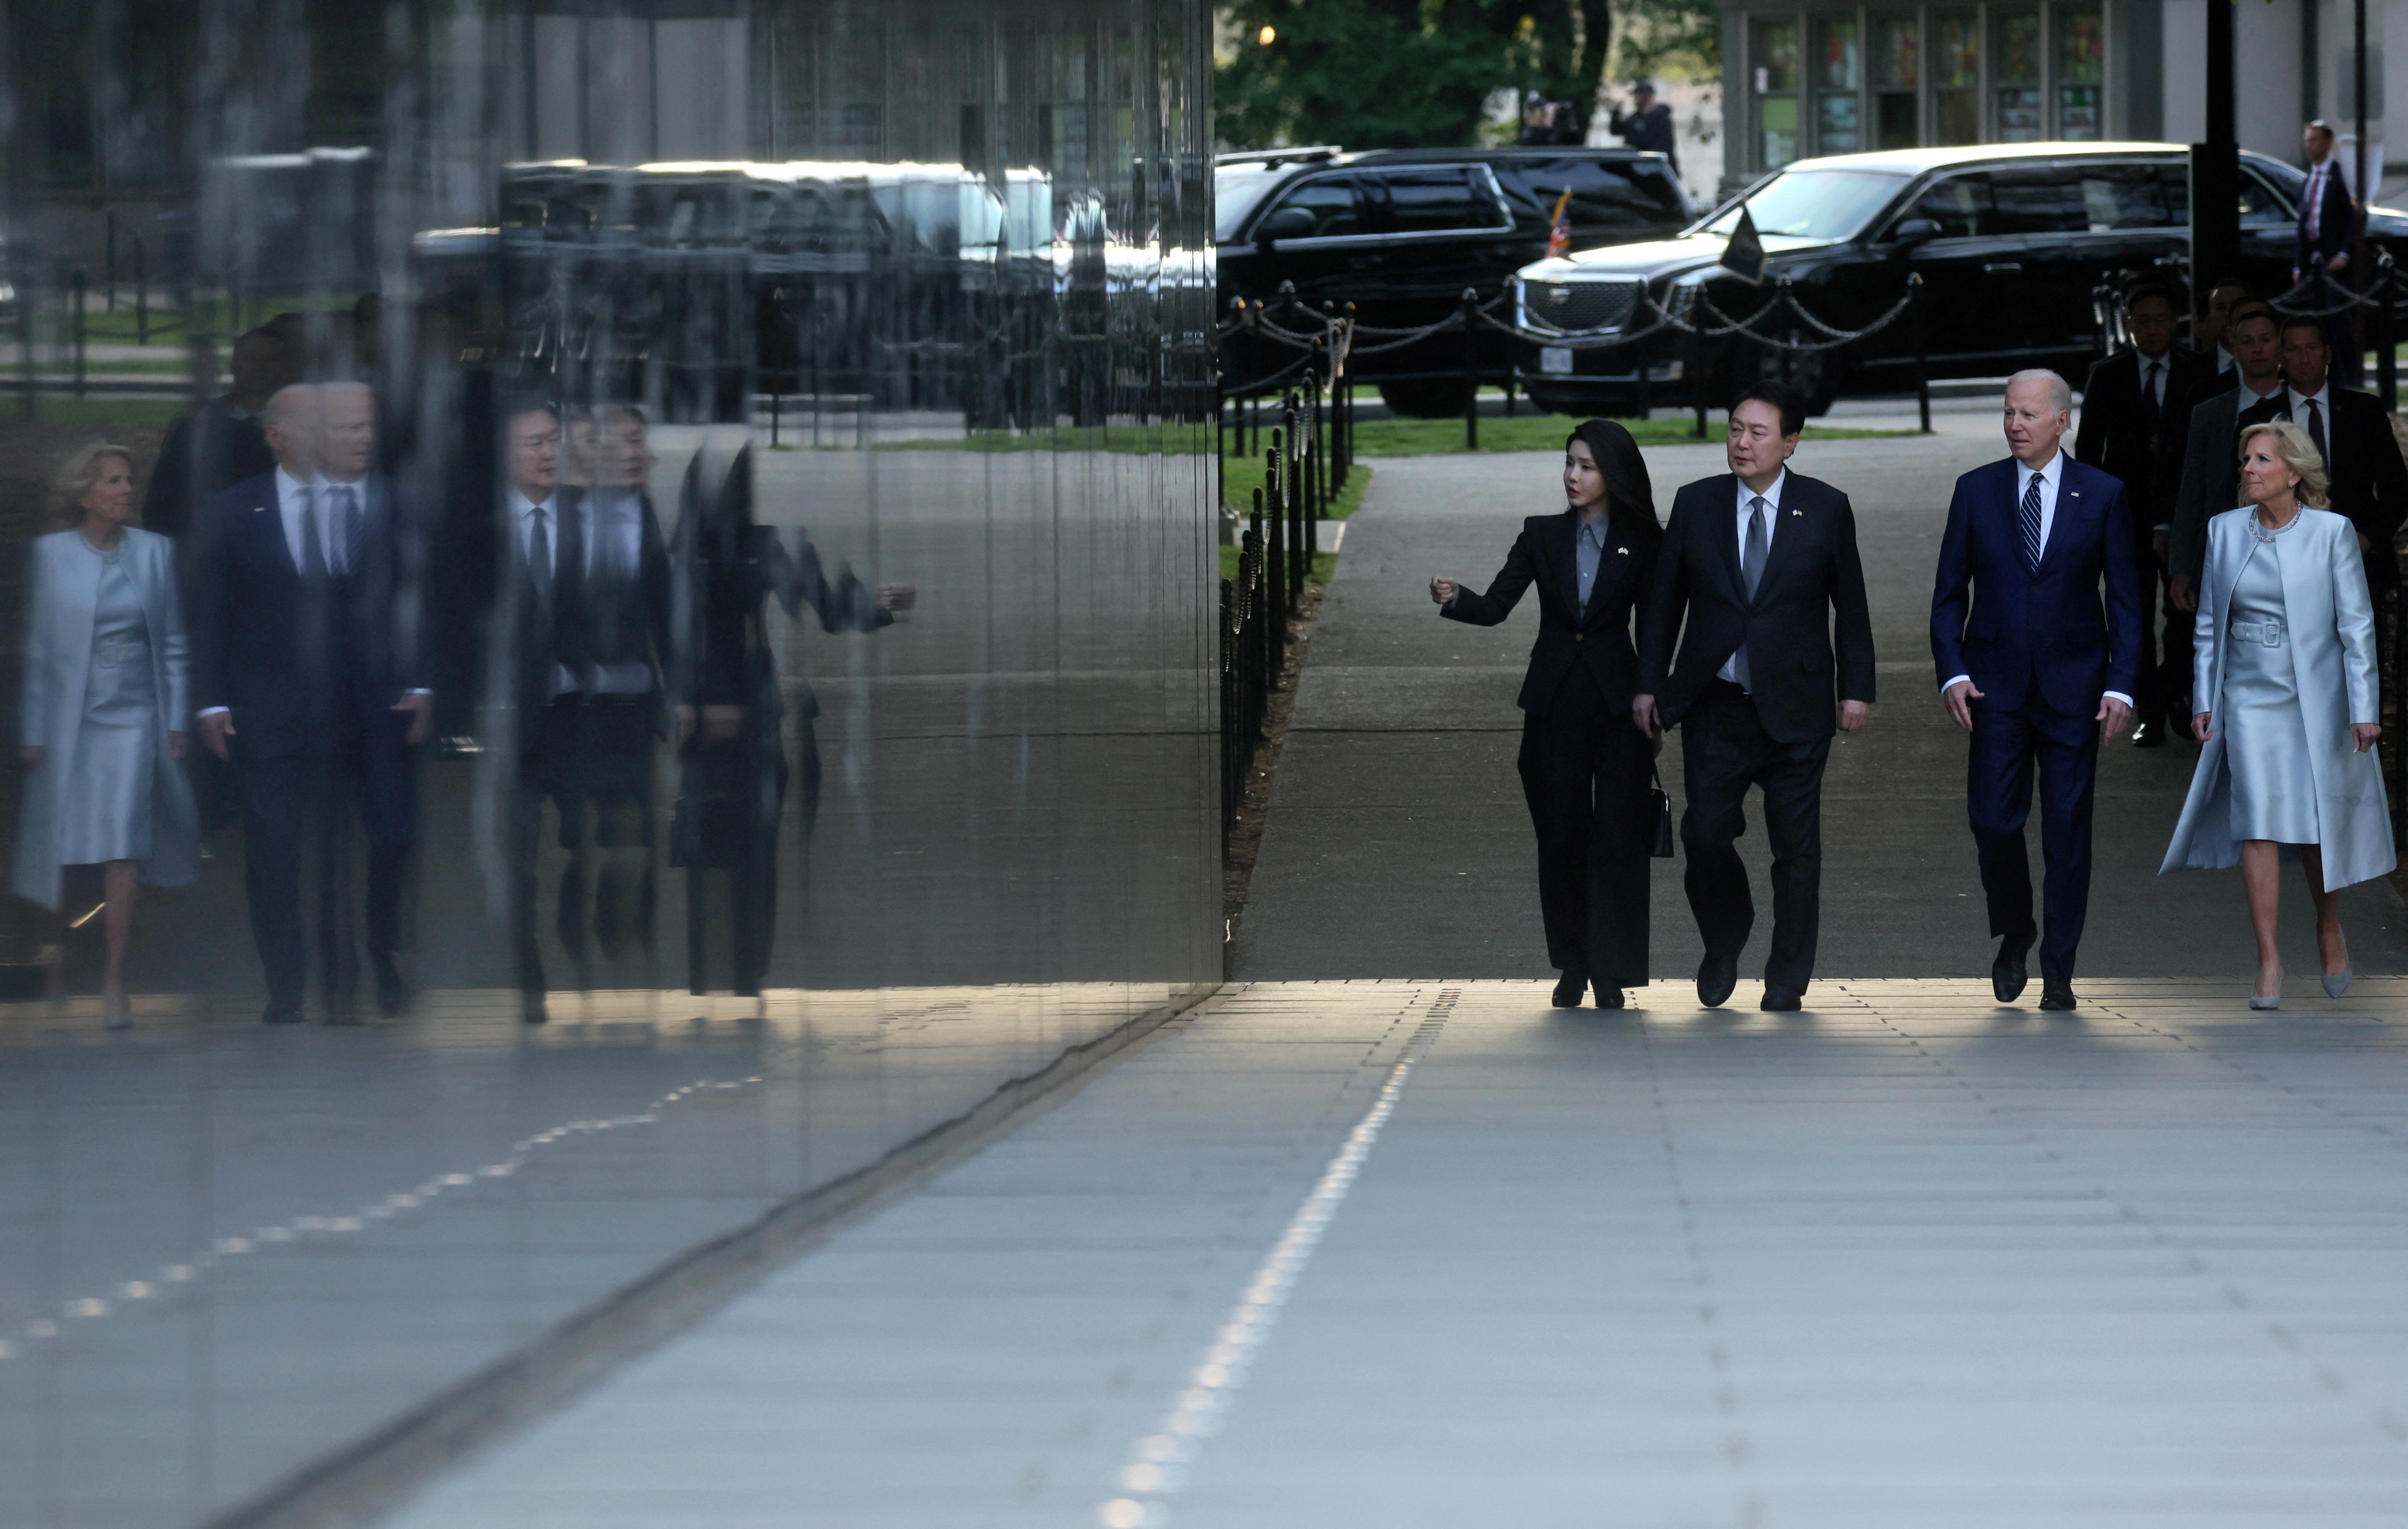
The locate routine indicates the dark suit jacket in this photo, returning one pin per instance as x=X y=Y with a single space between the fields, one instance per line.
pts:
x=593 y=619
x=2048 y=627
x=1651 y=129
x=2207 y=475
x=1813 y=585
x=291 y=689
x=205 y=452
x=2123 y=431
x=2369 y=481
x=1597 y=635
x=2336 y=226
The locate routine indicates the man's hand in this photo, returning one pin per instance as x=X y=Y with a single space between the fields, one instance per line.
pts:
x=2364 y=734
x=2365 y=543
x=896 y=596
x=179 y=746
x=2112 y=715
x=2202 y=726
x=2179 y=590
x=1960 y=698
x=1853 y=715
x=1642 y=712
x=216 y=728
x=721 y=723
x=31 y=756
x=2336 y=264
x=421 y=708
x=2161 y=546
x=1442 y=589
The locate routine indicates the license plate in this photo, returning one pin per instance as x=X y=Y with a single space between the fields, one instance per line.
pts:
x=1555 y=360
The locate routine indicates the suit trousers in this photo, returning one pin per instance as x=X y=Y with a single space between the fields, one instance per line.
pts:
x=1725 y=750
x=2006 y=743
x=591 y=758
x=294 y=806
x=1584 y=773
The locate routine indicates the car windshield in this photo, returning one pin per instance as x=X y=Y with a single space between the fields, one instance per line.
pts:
x=1237 y=191
x=1811 y=204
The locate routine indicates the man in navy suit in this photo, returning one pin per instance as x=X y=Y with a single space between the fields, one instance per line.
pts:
x=2036 y=668
x=304 y=676
x=2328 y=229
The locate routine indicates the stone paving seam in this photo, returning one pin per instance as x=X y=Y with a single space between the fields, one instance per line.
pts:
x=1158 y=1463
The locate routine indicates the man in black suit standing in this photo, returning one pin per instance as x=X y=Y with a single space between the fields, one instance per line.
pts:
x=2328 y=229
x=2369 y=481
x=1762 y=563
x=305 y=675
x=2209 y=467
x=2127 y=406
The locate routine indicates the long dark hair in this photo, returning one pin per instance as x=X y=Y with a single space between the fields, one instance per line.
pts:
x=1629 y=497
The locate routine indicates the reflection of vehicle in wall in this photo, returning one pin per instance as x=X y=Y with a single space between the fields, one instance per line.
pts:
x=282 y=224
x=1400 y=234
x=2010 y=241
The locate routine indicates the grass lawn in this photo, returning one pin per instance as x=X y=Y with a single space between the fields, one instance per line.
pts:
x=1143 y=440
x=1240 y=498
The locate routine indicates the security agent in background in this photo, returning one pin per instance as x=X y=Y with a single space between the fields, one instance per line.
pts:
x=306 y=676
x=2353 y=432
x=1648 y=124
x=2128 y=406
x=2209 y=475
x=2328 y=231
x=223 y=442
x=1775 y=657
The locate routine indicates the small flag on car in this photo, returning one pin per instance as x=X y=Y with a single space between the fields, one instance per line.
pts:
x=1559 y=232
x=1743 y=256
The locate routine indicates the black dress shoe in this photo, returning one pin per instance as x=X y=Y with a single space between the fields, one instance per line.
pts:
x=2149 y=735
x=1607 y=997
x=2008 y=973
x=1569 y=990
x=392 y=993
x=281 y=1011
x=2056 y=993
x=1781 y=1001
x=1716 y=976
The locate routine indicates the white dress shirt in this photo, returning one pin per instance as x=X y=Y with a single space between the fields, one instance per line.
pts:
x=612 y=520
x=2294 y=403
x=1747 y=512
x=293 y=498
x=2051 y=474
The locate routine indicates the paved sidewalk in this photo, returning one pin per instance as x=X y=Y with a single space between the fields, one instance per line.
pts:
x=1431 y=1254
x=1397 y=842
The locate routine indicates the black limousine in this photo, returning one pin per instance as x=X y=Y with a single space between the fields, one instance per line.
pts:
x=2012 y=242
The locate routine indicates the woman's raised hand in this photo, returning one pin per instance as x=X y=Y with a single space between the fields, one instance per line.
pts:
x=1442 y=589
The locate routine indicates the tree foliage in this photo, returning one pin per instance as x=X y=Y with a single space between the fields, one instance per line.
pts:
x=1399 y=74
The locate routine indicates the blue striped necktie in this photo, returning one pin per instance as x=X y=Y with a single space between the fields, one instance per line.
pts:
x=2031 y=524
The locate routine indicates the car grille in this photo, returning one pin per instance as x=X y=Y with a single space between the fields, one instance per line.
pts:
x=1568 y=307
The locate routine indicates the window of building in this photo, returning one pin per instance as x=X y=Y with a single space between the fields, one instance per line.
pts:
x=2015 y=76
x=1897 y=79
x=1838 y=78
x=1774 y=51
x=1956 y=80
x=2081 y=75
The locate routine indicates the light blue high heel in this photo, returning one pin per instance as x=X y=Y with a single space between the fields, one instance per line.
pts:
x=2338 y=983
x=2273 y=1003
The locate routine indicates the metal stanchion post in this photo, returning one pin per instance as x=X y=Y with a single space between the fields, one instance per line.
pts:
x=141 y=295
x=1697 y=371
x=1470 y=372
x=1646 y=384
x=108 y=276
x=82 y=291
x=2386 y=341
x=1922 y=350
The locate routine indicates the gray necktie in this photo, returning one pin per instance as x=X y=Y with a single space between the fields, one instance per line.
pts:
x=313 y=546
x=2030 y=518
x=342 y=527
x=1751 y=573
x=540 y=559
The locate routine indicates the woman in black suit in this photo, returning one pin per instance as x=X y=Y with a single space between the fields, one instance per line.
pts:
x=1585 y=764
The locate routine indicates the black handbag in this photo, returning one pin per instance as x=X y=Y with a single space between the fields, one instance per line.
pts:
x=1663 y=849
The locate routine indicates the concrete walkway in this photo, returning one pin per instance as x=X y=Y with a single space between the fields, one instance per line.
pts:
x=1397 y=842
x=1414 y=1254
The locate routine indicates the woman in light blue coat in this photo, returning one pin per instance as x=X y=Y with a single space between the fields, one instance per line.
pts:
x=2287 y=704
x=105 y=715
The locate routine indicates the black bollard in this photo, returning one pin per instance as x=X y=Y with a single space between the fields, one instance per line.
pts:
x=1922 y=349
x=1470 y=372
x=2387 y=347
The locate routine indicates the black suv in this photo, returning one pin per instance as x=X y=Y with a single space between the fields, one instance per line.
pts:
x=1401 y=233
x=2010 y=241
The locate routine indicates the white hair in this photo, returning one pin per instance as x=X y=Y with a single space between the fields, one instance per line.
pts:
x=287 y=402
x=2060 y=395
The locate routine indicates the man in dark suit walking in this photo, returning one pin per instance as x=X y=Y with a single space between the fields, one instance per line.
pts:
x=2370 y=481
x=2208 y=474
x=2127 y=408
x=2035 y=668
x=1762 y=562
x=305 y=675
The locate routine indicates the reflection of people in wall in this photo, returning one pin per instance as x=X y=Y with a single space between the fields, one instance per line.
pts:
x=104 y=711
x=734 y=783
x=222 y=443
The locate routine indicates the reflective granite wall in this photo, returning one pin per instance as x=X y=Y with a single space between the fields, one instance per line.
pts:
x=725 y=679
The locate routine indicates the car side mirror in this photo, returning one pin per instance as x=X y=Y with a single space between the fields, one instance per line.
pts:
x=1287 y=223
x=1915 y=231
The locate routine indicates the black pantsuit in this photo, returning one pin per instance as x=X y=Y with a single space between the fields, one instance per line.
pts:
x=1585 y=764
x=1585 y=769
x=1724 y=751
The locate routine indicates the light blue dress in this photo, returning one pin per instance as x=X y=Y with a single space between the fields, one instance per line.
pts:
x=2266 y=738
x=105 y=810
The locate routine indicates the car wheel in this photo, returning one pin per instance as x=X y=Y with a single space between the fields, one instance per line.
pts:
x=1424 y=399
x=1549 y=401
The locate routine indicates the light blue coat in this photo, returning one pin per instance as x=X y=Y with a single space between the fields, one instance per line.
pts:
x=2328 y=623
x=63 y=589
